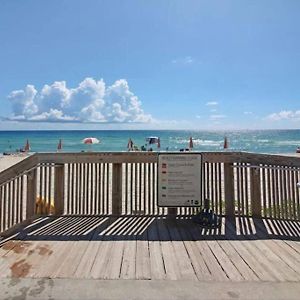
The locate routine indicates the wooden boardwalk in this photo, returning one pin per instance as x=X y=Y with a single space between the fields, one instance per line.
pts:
x=150 y=248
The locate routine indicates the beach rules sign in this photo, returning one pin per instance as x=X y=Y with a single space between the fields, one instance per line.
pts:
x=179 y=179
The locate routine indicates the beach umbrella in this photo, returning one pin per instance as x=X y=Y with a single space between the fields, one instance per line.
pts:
x=59 y=145
x=90 y=141
x=191 y=144
x=226 y=146
x=130 y=145
x=27 y=146
x=158 y=143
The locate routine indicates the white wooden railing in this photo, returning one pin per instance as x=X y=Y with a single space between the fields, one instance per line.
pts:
x=122 y=183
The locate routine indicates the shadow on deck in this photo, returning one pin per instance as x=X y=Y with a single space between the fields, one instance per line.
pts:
x=155 y=228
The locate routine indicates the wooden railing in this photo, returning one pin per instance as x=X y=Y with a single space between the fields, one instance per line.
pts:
x=236 y=183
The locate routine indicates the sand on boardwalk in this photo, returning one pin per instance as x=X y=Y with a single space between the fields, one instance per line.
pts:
x=7 y=161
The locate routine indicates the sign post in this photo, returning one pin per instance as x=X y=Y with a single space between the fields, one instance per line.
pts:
x=179 y=180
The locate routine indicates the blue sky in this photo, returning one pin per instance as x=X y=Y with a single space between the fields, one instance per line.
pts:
x=149 y=64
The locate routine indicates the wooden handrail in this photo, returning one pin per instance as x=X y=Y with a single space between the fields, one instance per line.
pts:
x=142 y=157
x=19 y=168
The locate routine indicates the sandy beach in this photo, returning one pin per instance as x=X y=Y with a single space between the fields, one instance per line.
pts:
x=9 y=160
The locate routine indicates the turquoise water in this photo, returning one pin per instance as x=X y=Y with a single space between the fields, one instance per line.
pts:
x=261 y=141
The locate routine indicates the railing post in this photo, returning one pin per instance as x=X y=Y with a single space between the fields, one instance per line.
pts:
x=59 y=189
x=229 y=189
x=117 y=189
x=31 y=194
x=255 y=192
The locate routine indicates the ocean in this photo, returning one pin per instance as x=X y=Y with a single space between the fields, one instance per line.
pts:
x=259 y=141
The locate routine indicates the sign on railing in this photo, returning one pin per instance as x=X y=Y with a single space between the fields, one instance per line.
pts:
x=179 y=180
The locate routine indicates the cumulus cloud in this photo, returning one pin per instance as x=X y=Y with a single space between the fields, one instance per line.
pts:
x=284 y=115
x=212 y=103
x=90 y=101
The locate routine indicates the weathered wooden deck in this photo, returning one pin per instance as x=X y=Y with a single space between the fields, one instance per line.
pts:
x=243 y=249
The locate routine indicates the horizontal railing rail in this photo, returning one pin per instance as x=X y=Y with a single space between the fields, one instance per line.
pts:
x=125 y=183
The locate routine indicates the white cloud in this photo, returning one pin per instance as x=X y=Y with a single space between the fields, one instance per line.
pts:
x=217 y=117
x=198 y=117
x=187 y=60
x=23 y=102
x=90 y=101
x=284 y=115
x=212 y=103
x=248 y=112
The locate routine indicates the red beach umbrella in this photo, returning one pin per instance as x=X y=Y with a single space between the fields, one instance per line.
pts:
x=27 y=146
x=90 y=140
x=191 y=144
x=226 y=146
x=59 y=146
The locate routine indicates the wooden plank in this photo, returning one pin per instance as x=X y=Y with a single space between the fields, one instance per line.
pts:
x=103 y=259
x=9 y=198
x=128 y=261
x=220 y=180
x=255 y=192
x=1 y=208
x=87 y=260
x=200 y=268
x=226 y=264
x=242 y=190
x=69 y=266
x=263 y=175
x=285 y=193
x=142 y=271
x=156 y=258
x=60 y=251
x=144 y=188
x=279 y=256
x=97 y=202
x=103 y=189
x=117 y=189
x=276 y=203
x=170 y=261
x=241 y=246
x=31 y=193
x=213 y=265
x=126 y=175
x=4 y=207
x=83 y=188
x=59 y=190
x=229 y=189
x=243 y=268
x=22 y=199
x=107 y=187
x=185 y=267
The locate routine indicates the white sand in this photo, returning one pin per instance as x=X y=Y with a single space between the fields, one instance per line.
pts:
x=9 y=160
